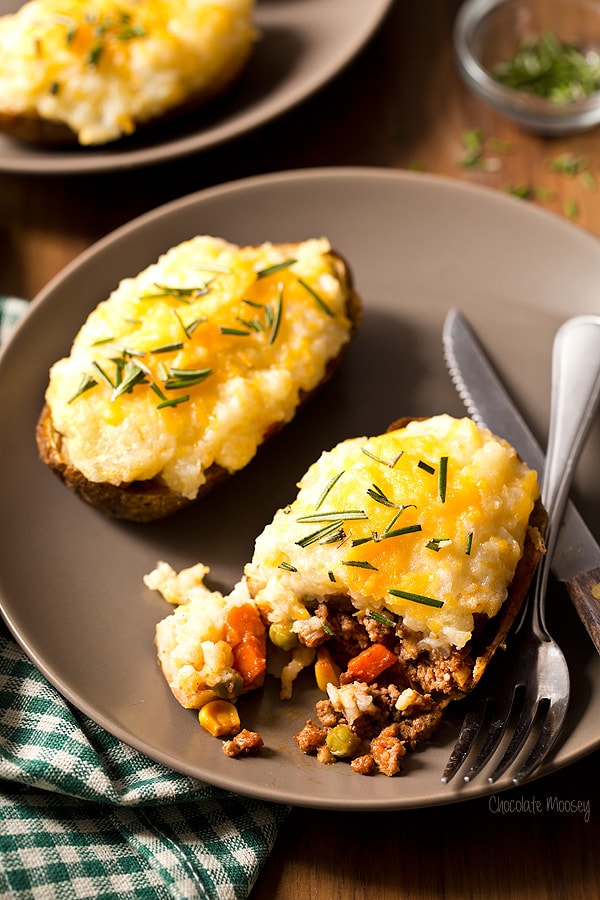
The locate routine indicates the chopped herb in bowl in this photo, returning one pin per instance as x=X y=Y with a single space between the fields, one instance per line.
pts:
x=551 y=68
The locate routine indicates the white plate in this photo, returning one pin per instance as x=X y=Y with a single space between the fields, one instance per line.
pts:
x=304 y=44
x=71 y=580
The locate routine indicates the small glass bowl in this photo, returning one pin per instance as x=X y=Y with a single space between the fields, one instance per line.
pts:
x=488 y=32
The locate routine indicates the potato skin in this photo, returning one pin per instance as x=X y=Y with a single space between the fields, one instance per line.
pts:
x=148 y=501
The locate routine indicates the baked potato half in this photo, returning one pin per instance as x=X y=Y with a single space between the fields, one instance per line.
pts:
x=186 y=369
x=92 y=72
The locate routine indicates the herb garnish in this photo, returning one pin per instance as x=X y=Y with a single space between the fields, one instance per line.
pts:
x=551 y=68
x=314 y=294
x=277 y=267
x=443 y=478
x=417 y=598
x=380 y=617
x=359 y=564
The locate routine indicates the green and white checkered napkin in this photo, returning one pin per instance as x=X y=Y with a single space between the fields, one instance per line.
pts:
x=83 y=815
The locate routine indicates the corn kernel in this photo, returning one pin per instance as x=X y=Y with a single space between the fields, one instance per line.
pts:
x=326 y=671
x=220 y=718
x=282 y=636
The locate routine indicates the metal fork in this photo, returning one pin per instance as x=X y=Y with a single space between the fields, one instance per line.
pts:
x=525 y=692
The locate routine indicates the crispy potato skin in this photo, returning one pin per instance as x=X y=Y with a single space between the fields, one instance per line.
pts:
x=148 y=501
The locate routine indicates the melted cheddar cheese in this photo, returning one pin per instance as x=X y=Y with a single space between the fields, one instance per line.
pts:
x=427 y=521
x=193 y=361
x=102 y=66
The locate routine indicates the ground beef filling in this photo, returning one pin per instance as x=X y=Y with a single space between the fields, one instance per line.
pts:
x=374 y=724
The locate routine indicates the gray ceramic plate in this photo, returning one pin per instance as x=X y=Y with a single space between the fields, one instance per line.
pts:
x=71 y=580
x=304 y=44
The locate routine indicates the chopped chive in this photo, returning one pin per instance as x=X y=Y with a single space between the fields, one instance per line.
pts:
x=106 y=340
x=174 y=401
x=331 y=576
x=321 y=533
x=443 y=478
x=287 y=567
x=426 y=467
x=360 y=564
x=277 y=316
x=316 y=297
x=379 y=617
x=86 y=384
x=330 y=484
x=326 y=626
x=417 y=598
x=277 y=267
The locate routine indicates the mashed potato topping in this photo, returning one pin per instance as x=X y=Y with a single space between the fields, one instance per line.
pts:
x=204 y=645
x=195 y=360
x=103 y=66
x=427 y=521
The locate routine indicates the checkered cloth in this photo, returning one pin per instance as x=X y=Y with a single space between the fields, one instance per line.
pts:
x=82 y=815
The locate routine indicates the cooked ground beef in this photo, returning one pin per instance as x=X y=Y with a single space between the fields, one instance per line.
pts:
x=243 y=744
x=401 y=709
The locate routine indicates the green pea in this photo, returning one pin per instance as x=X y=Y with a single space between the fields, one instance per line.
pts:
x=229 y=688
x=341 y=741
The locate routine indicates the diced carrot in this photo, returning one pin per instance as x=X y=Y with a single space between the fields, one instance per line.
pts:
x=242 y=620
x=250 y=658
x=370 y=663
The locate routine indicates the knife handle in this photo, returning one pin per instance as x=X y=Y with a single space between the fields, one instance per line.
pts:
x=584 y=591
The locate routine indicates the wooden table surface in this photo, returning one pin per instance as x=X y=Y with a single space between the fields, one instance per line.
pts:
x=399 y=105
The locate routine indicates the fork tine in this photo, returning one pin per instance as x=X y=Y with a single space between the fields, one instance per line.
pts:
x=548 y=735
x=494 y=735
x=467 y=736
x=522 y=730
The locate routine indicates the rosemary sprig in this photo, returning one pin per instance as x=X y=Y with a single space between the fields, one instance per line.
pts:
x=377 y=494
x=86 y=384
x=185 y=378
x=391 y=462
x=276 y=267
x=330 y=484
x=326 y=309
x=277 y=316
x=321 y=533
x=437 y=543
x=443 y=478
x=416 y=598
x=344 y=515
x=380 y=617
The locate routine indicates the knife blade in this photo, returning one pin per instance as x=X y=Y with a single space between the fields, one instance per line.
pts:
x=576 y=559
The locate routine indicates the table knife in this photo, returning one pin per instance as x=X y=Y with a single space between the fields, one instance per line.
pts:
x=576 y=559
